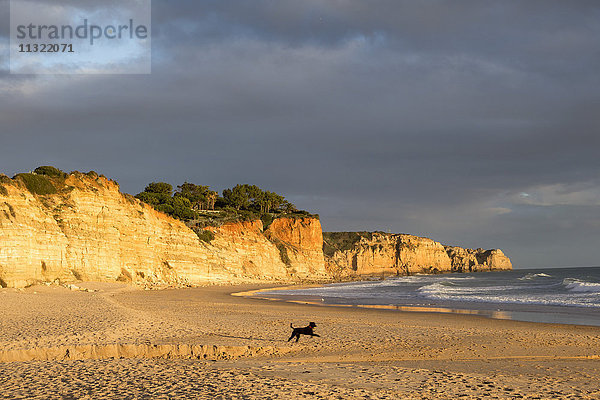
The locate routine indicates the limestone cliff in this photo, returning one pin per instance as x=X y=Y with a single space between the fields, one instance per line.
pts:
x=81 y=227
x=89 y=230
x=469 y=260
x=300 y=242
x=356 y=254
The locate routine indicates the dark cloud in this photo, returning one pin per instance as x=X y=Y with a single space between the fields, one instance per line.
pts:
x=434 y=118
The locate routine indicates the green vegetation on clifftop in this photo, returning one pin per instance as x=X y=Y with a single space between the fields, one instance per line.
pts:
x=342 y=241
x=199 y=207
x=37 y=184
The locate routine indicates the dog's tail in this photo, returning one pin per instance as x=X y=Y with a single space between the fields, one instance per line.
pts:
x=292 y=325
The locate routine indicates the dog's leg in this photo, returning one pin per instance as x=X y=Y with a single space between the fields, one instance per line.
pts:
x=291 y=337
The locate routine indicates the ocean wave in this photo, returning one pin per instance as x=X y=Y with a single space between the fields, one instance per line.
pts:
x=576 y=285
x=429 y=277
x=389 y=282
x=494 y=295
x=544 y=289
x=363 y=285
x=546 y=300
x=451 y=288
x=530 y=277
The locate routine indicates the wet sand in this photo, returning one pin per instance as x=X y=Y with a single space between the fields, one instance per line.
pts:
x=362 y=353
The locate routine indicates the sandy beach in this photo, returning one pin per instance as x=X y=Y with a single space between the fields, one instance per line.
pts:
x=115 y=341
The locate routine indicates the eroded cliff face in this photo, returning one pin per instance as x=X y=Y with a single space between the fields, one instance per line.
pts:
x=469 y=260
x=356 y=254
x=89 y=230
x=300 y=242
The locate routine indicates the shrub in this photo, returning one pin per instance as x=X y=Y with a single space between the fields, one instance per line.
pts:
x=50 y=171
x=182 y=208
x=267 y=220
x=4 y=180
x=298 y=214
x=154 y=199
x=246 y=215
x=165 y=208
x=37 y=184
x=342 y=241
x=283 y=254
x=159 y=187
x=205 y=235
x=158 y=195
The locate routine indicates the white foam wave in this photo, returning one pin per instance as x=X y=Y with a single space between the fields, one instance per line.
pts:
x=390 y=282
x=361 y=285
x=495 y=295
x=429 y=277
x=530 y=277
x=450 y=288
x=576 y=285
x=548 y=300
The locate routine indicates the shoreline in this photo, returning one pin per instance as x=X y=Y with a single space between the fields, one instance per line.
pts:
x=365 y=352
x=498 y=314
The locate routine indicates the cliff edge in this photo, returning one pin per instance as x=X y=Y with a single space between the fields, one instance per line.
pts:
x=83 y=228
x=79 y=226
x=356 y=254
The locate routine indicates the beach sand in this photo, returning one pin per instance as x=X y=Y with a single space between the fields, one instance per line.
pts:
x=117 y=342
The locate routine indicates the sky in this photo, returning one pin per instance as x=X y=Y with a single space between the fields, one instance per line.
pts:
x=473 y=122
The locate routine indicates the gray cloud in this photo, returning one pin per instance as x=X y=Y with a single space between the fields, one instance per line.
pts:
x=427 y=118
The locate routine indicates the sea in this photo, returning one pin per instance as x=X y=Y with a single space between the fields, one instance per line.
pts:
x=551 y=295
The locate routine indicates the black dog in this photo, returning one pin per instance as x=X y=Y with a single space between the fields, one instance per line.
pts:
x=307 y=330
